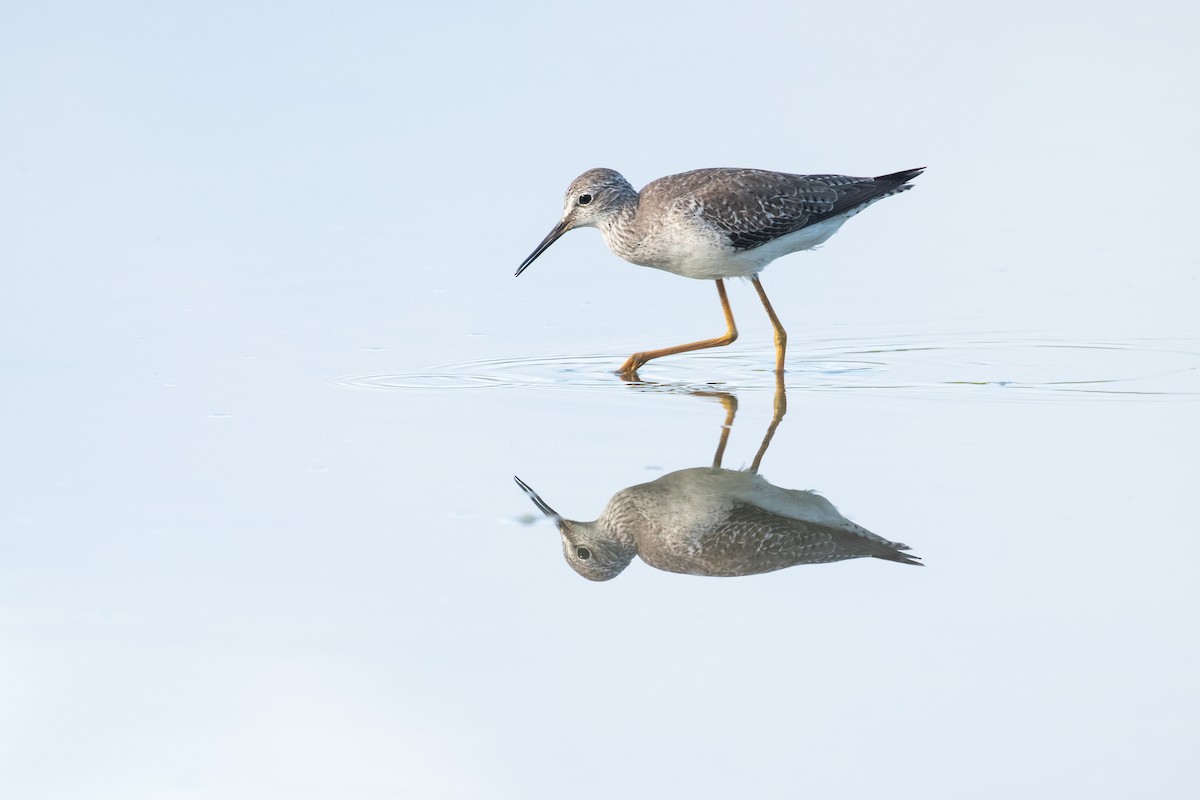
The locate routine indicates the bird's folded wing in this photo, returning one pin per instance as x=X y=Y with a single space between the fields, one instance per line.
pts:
x=750 y=534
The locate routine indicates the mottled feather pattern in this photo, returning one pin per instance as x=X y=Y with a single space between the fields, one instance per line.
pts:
x=713 y=521
x=713 y=224
x=751 y=534
x=766 y=205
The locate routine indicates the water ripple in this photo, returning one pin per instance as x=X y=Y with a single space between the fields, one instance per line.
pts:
x=976 y=365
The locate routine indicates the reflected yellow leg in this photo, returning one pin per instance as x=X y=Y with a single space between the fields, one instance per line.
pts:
x=731 y=404
x=780 y=333
x=630 y=367
x=780 y=410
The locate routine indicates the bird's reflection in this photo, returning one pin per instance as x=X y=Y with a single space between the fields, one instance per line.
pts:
x=714 y=521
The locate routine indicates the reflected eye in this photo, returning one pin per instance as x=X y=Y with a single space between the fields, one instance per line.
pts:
x=583 y=553
x=584 y=199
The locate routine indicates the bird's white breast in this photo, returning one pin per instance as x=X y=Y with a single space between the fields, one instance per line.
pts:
x=694 y=249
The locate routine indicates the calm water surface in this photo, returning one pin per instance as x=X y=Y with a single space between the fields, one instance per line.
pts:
x=344 y=567
x=1042 y=480
x=268 y=378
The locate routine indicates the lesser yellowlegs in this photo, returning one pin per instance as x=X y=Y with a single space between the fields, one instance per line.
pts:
x=714 y=521
x=713 y=224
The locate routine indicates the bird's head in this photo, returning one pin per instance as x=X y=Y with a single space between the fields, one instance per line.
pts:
x=586 y=546
x=590 y=199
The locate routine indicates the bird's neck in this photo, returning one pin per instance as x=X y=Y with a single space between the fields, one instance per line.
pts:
x=621 y=230
x=620 y=521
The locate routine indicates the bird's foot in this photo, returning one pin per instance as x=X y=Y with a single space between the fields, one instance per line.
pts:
x=629 y=370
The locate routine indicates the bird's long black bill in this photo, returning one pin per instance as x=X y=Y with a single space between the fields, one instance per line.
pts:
x=558 y=231
x=538 y=501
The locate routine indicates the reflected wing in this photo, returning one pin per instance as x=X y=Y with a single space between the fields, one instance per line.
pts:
x=751 y=540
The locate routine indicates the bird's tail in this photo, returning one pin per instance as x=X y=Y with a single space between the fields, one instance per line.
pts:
x=899 y=179
x=853 y=544
x=898 y=556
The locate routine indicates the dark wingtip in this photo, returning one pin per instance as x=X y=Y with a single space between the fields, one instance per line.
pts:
x=897 y=555
x=903 y=176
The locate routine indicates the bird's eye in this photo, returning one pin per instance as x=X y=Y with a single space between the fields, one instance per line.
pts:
x=584 y=199
x=583 y=553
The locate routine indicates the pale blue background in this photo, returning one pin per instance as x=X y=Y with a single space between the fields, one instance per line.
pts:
x=241 y=557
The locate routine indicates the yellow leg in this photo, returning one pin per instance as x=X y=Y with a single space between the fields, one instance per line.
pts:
x=630 y=367
x=780 y=333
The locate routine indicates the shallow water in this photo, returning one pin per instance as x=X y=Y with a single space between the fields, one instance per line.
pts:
x=1035 y=369
x=253 y=561
x=327 y=565
x=1039 y=480
x=269 y=376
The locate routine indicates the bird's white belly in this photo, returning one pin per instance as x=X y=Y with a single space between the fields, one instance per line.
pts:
x=703 y=253
x=804 y=239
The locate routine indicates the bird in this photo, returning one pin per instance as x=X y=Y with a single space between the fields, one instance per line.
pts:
x=717 y=223
x=714 y=521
